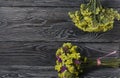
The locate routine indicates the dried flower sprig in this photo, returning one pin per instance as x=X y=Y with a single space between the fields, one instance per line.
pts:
x=92 y=17
x=69 y=61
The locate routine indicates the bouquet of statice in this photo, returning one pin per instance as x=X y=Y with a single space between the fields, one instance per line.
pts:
x=92 y=17
x=71 y=63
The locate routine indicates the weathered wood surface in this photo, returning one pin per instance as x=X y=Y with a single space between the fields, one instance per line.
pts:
x=53 y=3
x=27 y=72
x=15 y=71
x=43 y=53
x=47 y=24
x=103 y=73
x=32 y=30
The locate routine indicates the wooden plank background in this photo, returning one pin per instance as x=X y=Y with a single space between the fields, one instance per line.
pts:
x=32 y=30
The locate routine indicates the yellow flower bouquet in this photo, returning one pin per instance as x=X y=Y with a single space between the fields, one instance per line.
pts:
x=92 y=17
x=71 y=63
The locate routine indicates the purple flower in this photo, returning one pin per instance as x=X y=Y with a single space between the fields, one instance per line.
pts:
x=63 y=68
x=76 y=61
x=59 y=59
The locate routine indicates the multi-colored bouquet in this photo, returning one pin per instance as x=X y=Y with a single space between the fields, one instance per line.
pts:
x=70 y=63
x=92 y=17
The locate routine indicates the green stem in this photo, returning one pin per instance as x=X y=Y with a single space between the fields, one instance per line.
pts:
x=109 y=62
x=99 y=3
x=94 y=8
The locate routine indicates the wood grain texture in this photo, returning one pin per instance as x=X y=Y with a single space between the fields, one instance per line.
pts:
x=47 y=24
x=43 y=53
x=32 y=30
x=22 y=71
x=27 y=53
x=104 y=73
x=53 y=3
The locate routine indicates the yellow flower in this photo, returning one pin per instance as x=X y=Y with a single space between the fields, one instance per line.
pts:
x=86 y=15
x=66 y=74
x=86 y=12
x=82 y=6
x=70 y=64
x=58 y=67
x=118 y=16
x=88 y=19
x=98 y=10
x=69 y=45
x=75 y=56
x=73 y=49
x=59 y=75
x=71 y=68
x=59 y=51
x=57 y=62
x=69 y=61
x=63 y=57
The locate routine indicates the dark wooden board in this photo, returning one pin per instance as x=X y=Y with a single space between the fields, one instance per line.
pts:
x=47 y=24
x=53 y=3
x=43 y=53
x=103 y=73
x=32 y=30
x=22 y=71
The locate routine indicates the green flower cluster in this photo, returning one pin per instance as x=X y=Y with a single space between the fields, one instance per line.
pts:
x=69 y=60
x=92 y=17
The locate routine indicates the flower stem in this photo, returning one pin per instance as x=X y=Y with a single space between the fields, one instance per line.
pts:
x=111 y=62
x=107 y=62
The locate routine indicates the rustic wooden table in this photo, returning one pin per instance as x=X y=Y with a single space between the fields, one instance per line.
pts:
x=18 y=71
x=32 y=30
